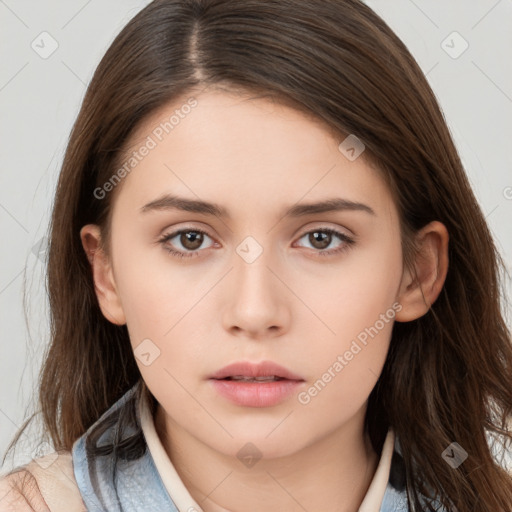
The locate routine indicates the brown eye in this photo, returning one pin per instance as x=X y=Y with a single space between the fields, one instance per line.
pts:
x=187 y=244
x=191 y=240
x=320 y=239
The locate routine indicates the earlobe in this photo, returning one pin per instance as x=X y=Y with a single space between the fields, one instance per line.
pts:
x=421 y=286
x=103 y=277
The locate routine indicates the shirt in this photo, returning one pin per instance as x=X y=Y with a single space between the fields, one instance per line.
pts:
x=145 y=479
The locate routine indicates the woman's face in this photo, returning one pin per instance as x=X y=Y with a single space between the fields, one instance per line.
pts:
x=265 y=282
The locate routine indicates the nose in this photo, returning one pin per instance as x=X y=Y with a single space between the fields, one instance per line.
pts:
x=257 y=304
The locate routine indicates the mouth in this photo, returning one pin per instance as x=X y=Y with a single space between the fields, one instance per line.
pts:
x=260 y=379
x=255 y=385
x=265 y=371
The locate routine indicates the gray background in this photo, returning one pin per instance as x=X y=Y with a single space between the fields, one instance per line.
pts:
x=40 y=98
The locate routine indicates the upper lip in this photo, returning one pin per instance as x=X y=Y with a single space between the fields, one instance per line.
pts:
x=262 y=369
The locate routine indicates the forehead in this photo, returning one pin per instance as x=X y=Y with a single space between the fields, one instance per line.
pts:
x=222 y=146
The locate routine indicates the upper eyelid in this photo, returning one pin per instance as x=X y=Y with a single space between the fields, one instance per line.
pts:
x=322 y=227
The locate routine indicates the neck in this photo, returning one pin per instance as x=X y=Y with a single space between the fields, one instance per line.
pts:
x=331 y=474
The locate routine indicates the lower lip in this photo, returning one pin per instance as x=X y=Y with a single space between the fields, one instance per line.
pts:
x=256 y=394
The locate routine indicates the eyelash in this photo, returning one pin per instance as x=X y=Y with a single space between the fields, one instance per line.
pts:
x=348 y=242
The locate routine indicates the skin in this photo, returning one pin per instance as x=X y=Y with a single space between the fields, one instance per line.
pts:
x=291 y=305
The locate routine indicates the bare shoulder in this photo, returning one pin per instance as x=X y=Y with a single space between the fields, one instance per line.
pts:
x=46 y=484
x=19 y=492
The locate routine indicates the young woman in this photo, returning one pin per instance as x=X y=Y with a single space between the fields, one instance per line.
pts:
x=271 y=285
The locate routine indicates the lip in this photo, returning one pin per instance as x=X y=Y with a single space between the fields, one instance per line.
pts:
x=256 y=394
x=262 y=369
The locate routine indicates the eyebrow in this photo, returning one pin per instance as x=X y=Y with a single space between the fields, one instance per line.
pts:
x=172 y=202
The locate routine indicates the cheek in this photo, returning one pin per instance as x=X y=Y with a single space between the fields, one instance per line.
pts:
x=357 y=292
x=162 y=303
x=155 y=291
x=358 y=308
x=345 y=366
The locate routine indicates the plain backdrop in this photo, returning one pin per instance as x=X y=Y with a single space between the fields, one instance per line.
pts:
x=463 y=46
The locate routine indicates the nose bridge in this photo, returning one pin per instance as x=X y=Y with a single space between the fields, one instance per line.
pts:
x=257 y=298
x=252 y=262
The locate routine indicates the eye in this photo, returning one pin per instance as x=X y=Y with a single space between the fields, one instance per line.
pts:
x=322 y=238
x=190 y=240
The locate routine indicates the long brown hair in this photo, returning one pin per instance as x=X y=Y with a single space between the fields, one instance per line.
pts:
x=448 y=375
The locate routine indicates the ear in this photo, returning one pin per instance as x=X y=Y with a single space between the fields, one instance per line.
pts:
x=421 y=285
x=103 y=276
